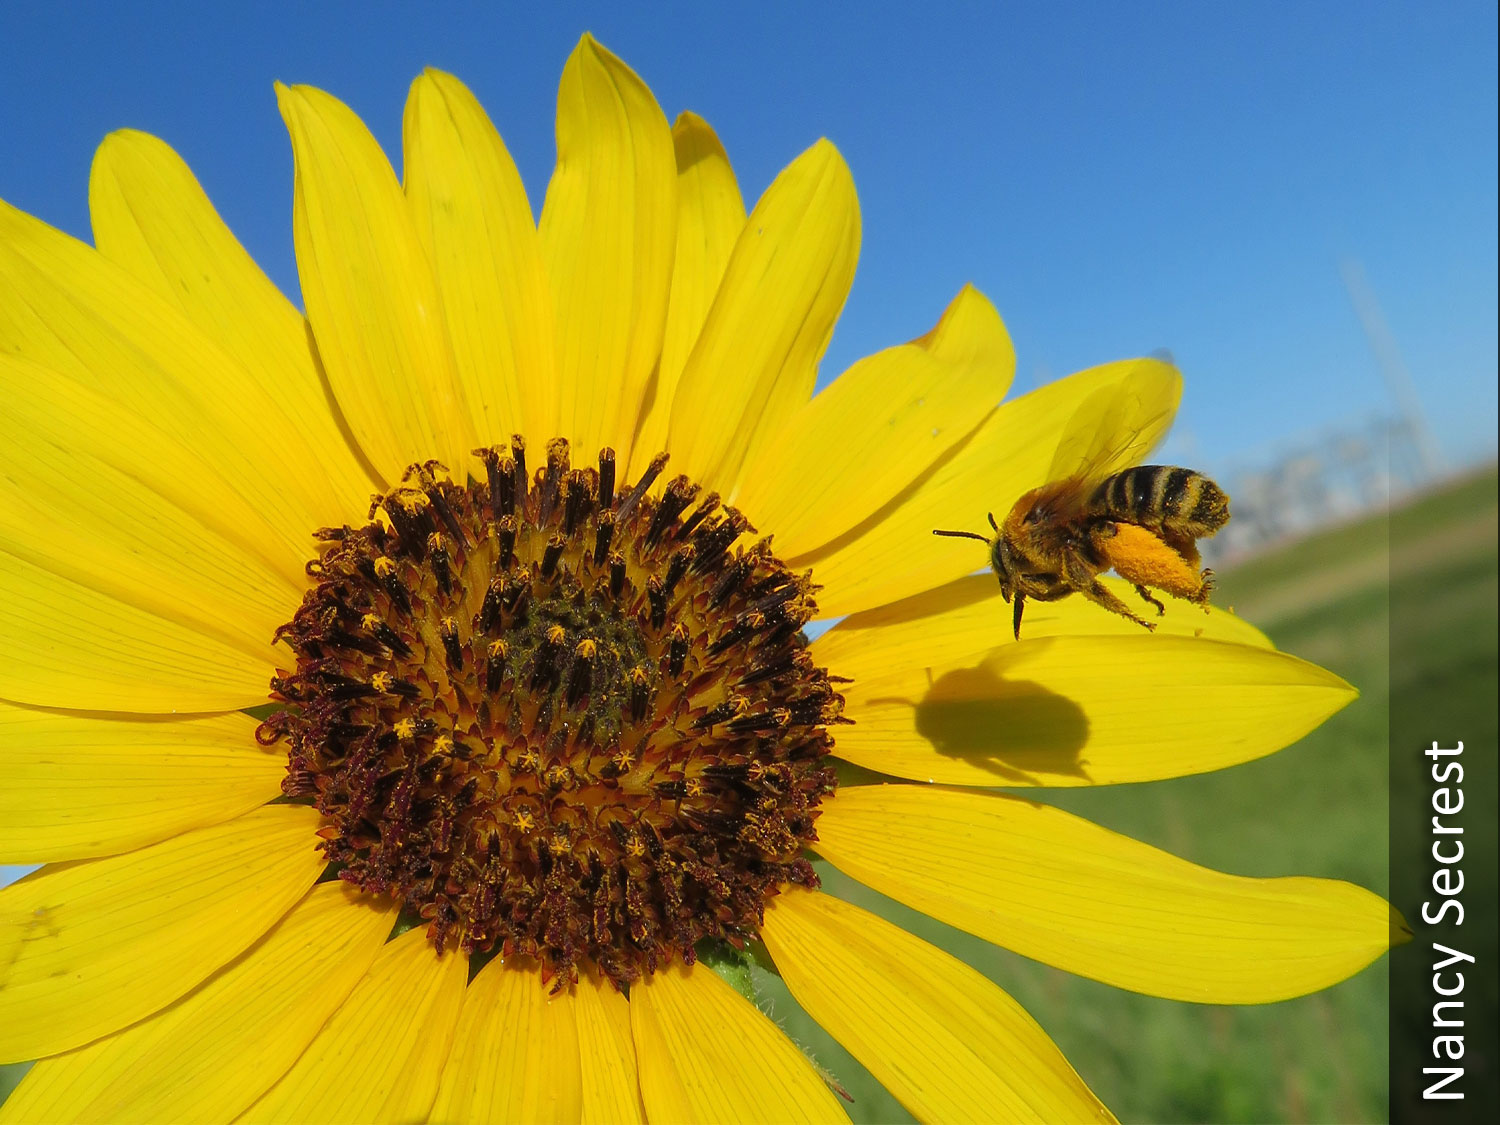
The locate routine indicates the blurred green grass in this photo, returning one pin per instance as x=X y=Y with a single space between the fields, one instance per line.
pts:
x=1316 y=808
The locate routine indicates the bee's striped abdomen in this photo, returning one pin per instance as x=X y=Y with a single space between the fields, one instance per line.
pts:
x=1137 y=495
x=1164 y=495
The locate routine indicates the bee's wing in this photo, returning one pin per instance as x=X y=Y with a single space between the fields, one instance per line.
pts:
x=1114 y=428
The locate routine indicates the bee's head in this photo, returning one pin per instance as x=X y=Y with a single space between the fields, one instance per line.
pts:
x=1003 y=563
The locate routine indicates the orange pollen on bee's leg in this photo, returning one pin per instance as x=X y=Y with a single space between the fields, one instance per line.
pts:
x=1139 y=555
x=559 y=718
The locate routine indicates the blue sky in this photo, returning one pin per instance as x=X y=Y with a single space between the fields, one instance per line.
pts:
x=1118 y=178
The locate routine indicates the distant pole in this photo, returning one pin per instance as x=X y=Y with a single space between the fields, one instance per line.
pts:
x=1392 y=367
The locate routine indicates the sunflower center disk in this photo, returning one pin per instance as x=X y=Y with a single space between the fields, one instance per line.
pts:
x=559 y=718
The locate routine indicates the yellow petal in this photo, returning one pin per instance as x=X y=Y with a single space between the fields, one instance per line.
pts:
x=756 y=358
x=66 y=308
x=1079 y=710
x=608 y=229
x=87 y=948
x=515 y=1054
x=606 y=1054
x=469 y=209
x=67 y=645
x=710 y=216
x=941 y=1037
x=151 y=216
x=893 y=554
x=216 y=1050
x=76 y=786
x=369 y=291
x=1059 y=889
x=379 y=1057
x=663 y=1084
x=954 y=626
x=105 y=499
x=707 y=1054
x=880 y=425
x=64 y=442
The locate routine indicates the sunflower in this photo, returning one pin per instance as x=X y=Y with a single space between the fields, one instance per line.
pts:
x=540 y=722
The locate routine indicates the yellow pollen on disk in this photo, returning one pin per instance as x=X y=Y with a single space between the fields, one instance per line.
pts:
x=411 y=500
x=406 y=730
x=381 y=682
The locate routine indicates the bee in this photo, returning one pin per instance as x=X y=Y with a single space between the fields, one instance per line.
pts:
x=1099 y=513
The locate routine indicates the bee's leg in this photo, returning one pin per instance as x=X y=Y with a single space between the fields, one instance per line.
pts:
x=1141 y=557
x=1207 y=580
x=1146 y=595
x=1085 y=579
x=1098 y=593
x=1184 y=544
x=1181 y=542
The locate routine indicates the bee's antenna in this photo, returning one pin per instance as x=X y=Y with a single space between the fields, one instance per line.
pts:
x=963 y=535
x=993 y=524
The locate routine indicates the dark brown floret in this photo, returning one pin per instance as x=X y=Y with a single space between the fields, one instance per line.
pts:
x=559 y=716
